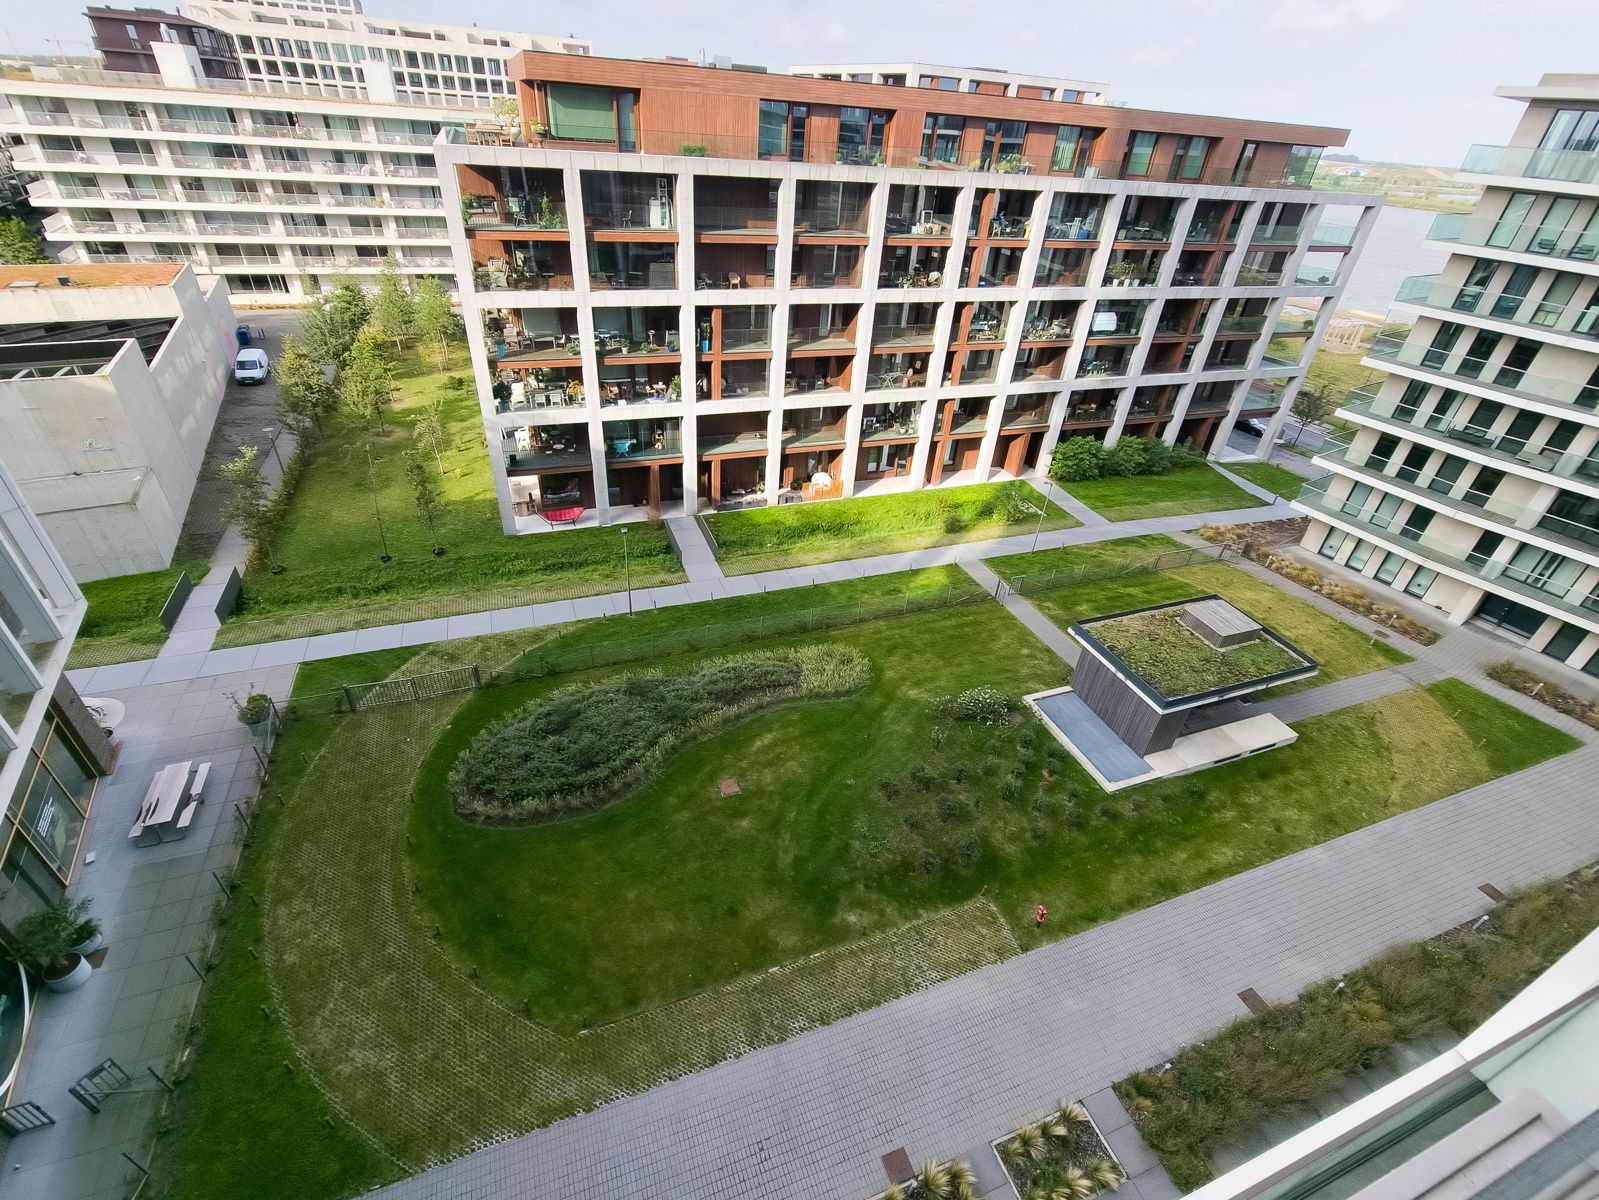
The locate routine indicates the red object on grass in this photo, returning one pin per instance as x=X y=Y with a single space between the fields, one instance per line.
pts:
x=1038 y=922
x=562 y=516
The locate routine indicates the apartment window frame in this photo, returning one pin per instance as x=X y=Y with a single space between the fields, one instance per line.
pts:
x=1188 y=161
x=1001 y=139
x=1140 y=154
x=1246 y=161
x=1074 y=148
x=942 y=136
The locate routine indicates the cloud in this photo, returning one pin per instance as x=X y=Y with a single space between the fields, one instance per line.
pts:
x=1313 y=17
x=1152 y=56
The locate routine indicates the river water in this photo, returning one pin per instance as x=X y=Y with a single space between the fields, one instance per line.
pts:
x=1393 y=251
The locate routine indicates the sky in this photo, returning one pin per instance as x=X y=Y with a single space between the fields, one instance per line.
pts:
x=1412 y=79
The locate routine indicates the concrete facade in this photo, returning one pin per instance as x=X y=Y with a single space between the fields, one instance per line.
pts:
x=108 y=448
x=1471 y=480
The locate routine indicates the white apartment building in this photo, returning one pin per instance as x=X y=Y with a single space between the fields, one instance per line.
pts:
x=329 y=41
x=978 y=80
x=826 y=294
x=1471 y=481
x=110 y=382
x=280 y=184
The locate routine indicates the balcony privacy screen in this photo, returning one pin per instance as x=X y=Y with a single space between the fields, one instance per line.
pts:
x=581 y=114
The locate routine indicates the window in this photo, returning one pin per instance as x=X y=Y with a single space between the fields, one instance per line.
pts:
x=1302 y=164
x=860 y=134
x=1389 y=567
x=1002 y=140
x=1420 y=581
x=782 y=130
x=1442 y=342
x=1487 y=543
x=1511 y=218
x=1189 y=161
x=1572 y=129
x=1140 y=150
x=1360 y=556
x=1331 y=543
x=941 y=138
x=580 y=113
x=1246 y=162
x=1074 y=148
x=1510 y=616
x=1416 y=523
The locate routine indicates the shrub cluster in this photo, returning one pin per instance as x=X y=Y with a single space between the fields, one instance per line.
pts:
x=277 y=509
x=1544 y=691
x=1061 y=1155
x=1218 y=1091
x=1081 y=458
x=985 y=705
x=583 y=745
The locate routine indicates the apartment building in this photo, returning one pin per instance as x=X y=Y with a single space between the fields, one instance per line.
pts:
x=281 y=182
x=693 y=287
x=1471 y=481
x=979 y=80
x=125 y=37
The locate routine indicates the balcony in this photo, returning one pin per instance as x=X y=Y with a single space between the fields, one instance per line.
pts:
x=1251 y=276
x=1277 y=235
x=1250 y=323
x=1029 y=413
x=729 y=221
x=890 y=422
x=1449 y=365
x=1333 y=236
x=1532 y=162
x=888 y=337
x=1314 y=497
x=1529 y=237
x=888 y=371
x=649 y=216
x=812 y=337
x=1582 y=319
x=926 y=225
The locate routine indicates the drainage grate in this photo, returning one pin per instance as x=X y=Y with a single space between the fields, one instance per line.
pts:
x=1493 y=893
x=897 y=1165
x=1252 y=1000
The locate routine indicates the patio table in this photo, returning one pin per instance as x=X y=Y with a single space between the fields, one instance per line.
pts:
x=161 y=802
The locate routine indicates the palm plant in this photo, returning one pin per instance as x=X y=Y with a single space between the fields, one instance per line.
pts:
x=1107 y=1176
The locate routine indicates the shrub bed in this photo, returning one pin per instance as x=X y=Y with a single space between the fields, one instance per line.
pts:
x=1081 y=458
x=583 y=745
x=1544 y=691
x=1060 y=1156
x=1343 y=594
x=1219 y=1090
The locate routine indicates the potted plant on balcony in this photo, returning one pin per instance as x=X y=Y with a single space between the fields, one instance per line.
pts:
x=705 y=337
x=45 y=941
x=674 y=389
x=1011 y=164
x=538 y=129
x=1121 y=273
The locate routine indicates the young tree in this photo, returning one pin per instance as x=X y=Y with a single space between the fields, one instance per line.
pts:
x=424 y=491
x=303 y=383
x=329 y=323
x=1312 y=406
x=434 y=319
x=246 y=505
x=432 y=432
x=367 y=384
x=19 y=244
x=393 y=308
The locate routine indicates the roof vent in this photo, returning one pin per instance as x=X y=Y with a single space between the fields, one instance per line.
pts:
x=64 y=280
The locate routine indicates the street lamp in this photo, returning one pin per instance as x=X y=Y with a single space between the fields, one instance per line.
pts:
x=272 y=435
x=372 y=481
x=1040 y=529
x=627 y=572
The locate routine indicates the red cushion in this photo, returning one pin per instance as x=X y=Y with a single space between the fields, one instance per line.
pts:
x=561 y=514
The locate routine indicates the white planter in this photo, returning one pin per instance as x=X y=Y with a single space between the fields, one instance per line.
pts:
x=90 y=944
x=73 y=979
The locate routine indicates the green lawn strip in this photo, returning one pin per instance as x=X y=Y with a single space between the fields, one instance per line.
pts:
x=123 y=620
x=317 y=679
x=1278 y=480
x=331 y=545
x=1340 y=650
x=1184 y=490
x=285 y=1141
x=1337 y=373
x=1280 y=1060
x=797 y=535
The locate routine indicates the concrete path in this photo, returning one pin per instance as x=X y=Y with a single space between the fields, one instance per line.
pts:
x=1041 y=627
x=156 y=905
x=955 y=1066
x=197 y=664
x=699 y=560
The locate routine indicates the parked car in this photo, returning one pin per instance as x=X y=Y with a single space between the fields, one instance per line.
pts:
x=250 y=366
x=1253 y=427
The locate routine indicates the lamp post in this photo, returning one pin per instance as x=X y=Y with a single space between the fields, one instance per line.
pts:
x=272 y=435
x=1040 y=529
x=627 y=572
x=372 y=481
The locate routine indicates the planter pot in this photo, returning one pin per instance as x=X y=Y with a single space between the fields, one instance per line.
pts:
x=73 y=979
x=90 y=944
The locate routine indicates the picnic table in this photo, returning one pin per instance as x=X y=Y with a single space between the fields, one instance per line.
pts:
x=164 y=815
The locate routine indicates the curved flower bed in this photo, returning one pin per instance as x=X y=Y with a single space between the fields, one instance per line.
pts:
x=582 y=746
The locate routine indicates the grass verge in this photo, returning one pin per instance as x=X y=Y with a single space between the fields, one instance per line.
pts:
x=798 y=535
x=1182 y=491
x=1278 y=480
x=123 y=621
x=1221 y=1089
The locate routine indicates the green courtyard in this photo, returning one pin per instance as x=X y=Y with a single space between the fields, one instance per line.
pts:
x=403 y=982
x=122 y=622
x=802 y=535
x=1197 y=489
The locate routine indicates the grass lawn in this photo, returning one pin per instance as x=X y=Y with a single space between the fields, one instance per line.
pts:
x=1337 y=374
x=799 y=535
x=1340 y=650
x=330 y=544
x=1185 y=490
x=1276 y=479
x=122 y=623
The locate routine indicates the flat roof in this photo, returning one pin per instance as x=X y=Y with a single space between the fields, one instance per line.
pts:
x=1172 y=666
x=43 y=344
x=50 y=275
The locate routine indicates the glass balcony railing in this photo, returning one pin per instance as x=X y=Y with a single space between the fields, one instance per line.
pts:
x=742 y=340
x=726 y=219
x=1454 y=365
x=1528 y=237
x=1514 y=451
x=1277 y=235
x=814 y=337
x=1580 y=319
x=1252 y=323
x=902 y=335
x=1533 y=162
x=1249 y=276
x=1330 y=234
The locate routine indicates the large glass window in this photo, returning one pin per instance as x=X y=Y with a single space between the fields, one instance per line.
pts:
x=1189 y=161
x=1302 y=164
x=580 y=113
x=1002 y=140
x=1140 y=150
x=1246 y=162
x=56 y=791
x=1074 y=149
x=860 y=134
x=782 y=132
x=941 y=138
x=1511 y=218
x=1572 y=129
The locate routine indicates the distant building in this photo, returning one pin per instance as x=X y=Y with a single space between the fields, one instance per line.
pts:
x=110 y=380
x=125 y=38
